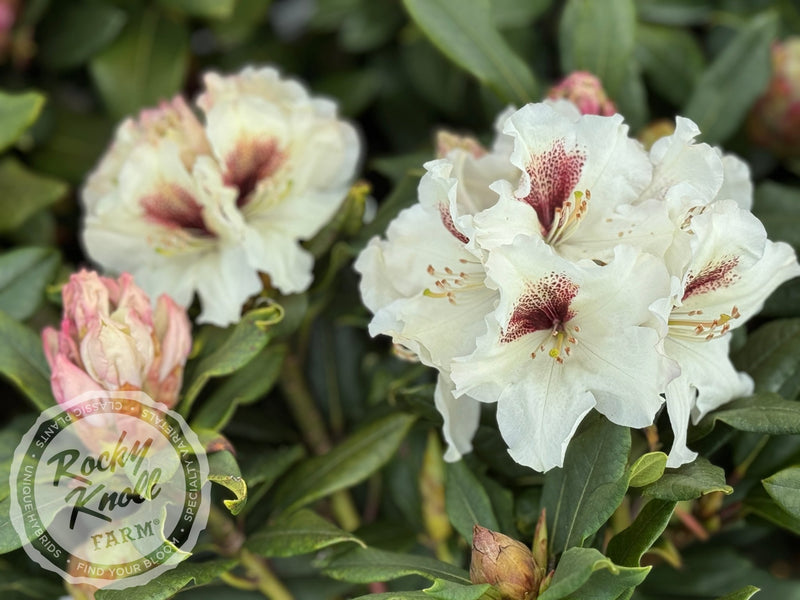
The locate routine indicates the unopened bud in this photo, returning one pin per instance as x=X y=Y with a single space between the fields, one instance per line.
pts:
x=774 y=121
x=446 y=142
x=503 y=562
x=586 y=92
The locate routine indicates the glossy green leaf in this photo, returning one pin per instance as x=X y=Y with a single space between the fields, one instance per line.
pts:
x=224 y=470
x=17 y=113
x=249 y=384
x=510 y=14
x=627 y=547
x=208 y=9
x=582 y=495
x=24 y=193
x=761 y=413
x=777 y=205
x=242 y=344
x=598 y=37
x=9 y=539
x=760 y=503
x=784 y=488
x=733 y=81
x=671 y=59
x=74 y=31
x=300 y=532
x=365 y=565
x=688 y=482
x=632 y=99
x=147 y=63
x=24 y=274
x=466 y=501
x=465 y=33
x=415 y=595
x=772 y=357
x=743 y=594
x=647 y=469
x=447 y=590
x=350 y=462
x=585 y=573
x=675 y=12
x=23 y=363
x=171 y=582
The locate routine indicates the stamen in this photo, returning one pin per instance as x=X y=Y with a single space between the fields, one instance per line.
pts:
x=567 y=217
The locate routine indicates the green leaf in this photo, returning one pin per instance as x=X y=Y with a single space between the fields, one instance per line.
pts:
x=584 y=573
x=349 y=463
x=517 y=13
x=761 y=413
x=171 y=582
x=671 y=59
x=417 y=595
x=778 y=207
x=688 y=482
x=582 y=495
x=466 y=501
x=743 y=594
x=784 y=488
x=772 y=357
x=297 y=533
x=207 y=9
x=9 y=539
x=24 y=274
x=627 y=547
x=598 y=37
x=758 y=502
x=224 y=470
x=245 y=341
x=447 y=590
x=465 y=33
x=17 y=113
x=365 y=565
x=647 y=469
x=23 y=363
x=733 y=81
x=73 y=32
x=675 y=12
x=249 y=384
x=147 y=63
x=24 y=193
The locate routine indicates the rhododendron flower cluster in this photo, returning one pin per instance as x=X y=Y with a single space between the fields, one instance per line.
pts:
x=568 y=269
x=208 y=207
x=112 y=339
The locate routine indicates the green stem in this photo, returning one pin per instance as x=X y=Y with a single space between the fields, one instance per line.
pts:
x=266 y=581
x=312 y=425
x=740 y=471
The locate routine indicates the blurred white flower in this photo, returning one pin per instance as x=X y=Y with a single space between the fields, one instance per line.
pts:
x=200 y=208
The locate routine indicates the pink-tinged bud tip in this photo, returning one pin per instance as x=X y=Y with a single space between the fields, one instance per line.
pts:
x=503 y=562
x=586 y=92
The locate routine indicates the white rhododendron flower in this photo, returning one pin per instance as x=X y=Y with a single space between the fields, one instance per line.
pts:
x=572 y=270
x=205 y=207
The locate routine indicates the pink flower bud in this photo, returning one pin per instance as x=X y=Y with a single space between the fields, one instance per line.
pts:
x=503 y=562
x=774 y=121
x=586 y=92
x=110 y=339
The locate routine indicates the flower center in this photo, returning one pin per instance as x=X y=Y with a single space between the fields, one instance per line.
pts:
x=174 y=207
x=252 y=161
x=694 y=325
x=553 y=176
x=449 y=282
x=546 y=306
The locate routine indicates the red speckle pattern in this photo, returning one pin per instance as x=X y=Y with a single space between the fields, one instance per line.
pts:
x=554 y=175
x=712 y=277
x=447 y=221
x=546 y=305
x=252 y=161
x=174 y=207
